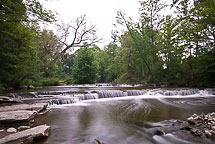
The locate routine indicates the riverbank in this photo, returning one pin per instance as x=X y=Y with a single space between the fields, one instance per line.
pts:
x=17 y=123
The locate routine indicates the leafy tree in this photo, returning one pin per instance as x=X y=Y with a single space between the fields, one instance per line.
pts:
x=18 y=61
x=48 y=47
x=85 y=70
x=151 y=18
x=17 y=54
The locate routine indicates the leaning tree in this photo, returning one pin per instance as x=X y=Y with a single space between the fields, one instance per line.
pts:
x=76 y=34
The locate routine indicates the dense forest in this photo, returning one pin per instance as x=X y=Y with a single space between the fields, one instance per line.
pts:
x=176 y=49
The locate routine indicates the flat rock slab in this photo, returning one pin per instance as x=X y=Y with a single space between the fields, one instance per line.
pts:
x=17 y=116
x=34 y=107
x=4 y=99
x=27 y=135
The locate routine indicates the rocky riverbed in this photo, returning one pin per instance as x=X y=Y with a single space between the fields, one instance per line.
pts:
x=196 y=127
x=17 y=121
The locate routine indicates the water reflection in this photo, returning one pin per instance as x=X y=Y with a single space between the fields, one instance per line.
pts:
x=120 y=121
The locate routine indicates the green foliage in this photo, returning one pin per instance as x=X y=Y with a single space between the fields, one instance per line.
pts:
x=17 y=54
x=19 y=62
x=48 y=46
x=179 y=51
x=176 y=50
x=50 y=82
x=85 y=69
x=2 y=88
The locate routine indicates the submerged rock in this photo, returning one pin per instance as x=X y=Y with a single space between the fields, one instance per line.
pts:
x=98 y=141
x=26 y=136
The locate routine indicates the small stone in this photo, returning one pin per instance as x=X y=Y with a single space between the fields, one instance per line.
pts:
x=20 y=128
x=210 y=119
x=31 y=121
x=212 y=114
x=1 y=130
x=31 y=87
x=191 y=120
x=213 y=128
x=208 y=133
x=195 y=132
x=11 y=130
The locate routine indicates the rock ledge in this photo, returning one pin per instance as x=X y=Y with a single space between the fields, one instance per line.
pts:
x=27 y=136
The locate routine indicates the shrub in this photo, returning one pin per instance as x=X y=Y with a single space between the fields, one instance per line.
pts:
x=50 y=82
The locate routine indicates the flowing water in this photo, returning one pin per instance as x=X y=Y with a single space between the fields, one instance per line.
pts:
x=119 y=114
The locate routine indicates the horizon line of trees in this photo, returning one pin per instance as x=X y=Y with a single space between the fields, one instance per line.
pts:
x=177 y=50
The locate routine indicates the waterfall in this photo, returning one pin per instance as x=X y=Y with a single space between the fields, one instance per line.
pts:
x=69 y=97
x=62 y=101
x=82 y=97
x=136 y=92
x=111 y=93
x=182 y=92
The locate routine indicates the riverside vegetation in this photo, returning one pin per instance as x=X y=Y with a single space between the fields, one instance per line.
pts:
x=176 y=49
x=159 y=49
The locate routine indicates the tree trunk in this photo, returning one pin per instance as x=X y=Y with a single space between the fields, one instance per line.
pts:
x=143 y=69
x=129 y=66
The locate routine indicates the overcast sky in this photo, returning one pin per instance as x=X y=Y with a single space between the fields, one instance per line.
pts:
x=101 y=13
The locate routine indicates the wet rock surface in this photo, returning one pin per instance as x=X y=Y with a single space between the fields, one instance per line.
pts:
x=203 y=125
x=16 y=123
x=38 y=107
x=19 y=116
x=199 y=128
x=4 y=99
x=26 y=136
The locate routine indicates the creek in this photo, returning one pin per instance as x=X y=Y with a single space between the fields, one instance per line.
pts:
x=120 y=114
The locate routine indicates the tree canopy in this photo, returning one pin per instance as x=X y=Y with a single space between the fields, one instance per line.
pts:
x=176 y=49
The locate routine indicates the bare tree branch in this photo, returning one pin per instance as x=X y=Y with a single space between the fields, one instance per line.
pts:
x=82 y=33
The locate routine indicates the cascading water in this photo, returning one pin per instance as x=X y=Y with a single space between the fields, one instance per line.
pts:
x=69 y=97
x=121 y=114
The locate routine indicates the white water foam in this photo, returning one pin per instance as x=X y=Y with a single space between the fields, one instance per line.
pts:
x=149 y=95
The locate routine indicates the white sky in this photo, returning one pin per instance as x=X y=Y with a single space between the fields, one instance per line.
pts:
x=101 y=13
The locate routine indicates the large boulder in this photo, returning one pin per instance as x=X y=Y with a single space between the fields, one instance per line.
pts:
x=26 y=136
x=38 y=107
